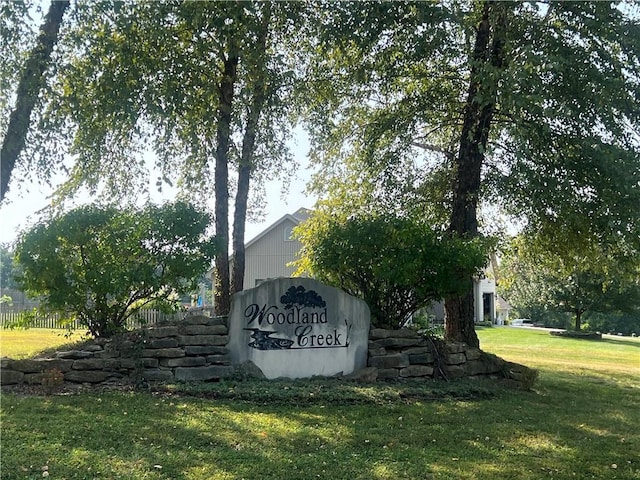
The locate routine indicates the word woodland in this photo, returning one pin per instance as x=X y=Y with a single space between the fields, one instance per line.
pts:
x=293 y=317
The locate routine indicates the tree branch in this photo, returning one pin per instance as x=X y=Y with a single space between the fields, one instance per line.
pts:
x=432 y=148
x=31 y=82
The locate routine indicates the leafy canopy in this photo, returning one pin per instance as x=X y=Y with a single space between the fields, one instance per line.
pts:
x=102 y=264
x=572 y=280
x=396 y=264
x=8 y=270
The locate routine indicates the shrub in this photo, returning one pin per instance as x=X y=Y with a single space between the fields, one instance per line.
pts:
x=102 y=264
x=397 y=265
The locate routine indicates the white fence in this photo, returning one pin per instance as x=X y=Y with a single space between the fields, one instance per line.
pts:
x=11 y=317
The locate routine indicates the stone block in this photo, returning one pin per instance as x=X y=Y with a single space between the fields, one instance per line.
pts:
x=400 y=343
x=379 y=333
x=396 y=360
x=57 y=364
x=388 y=374
x=10 y=377
x=163 y=352
x=473 y=353
x=205 y=350
x=219 y=359
x=475 y=367
x=5 y=362
x=248 y=370
x=196 y=320
x=92 y=348
x=218 y=321
x=183 y=362
x=453 y=371
x=204 y=330
x=107 y=353
x=201 y=374
x=165 y=331
x=33 y=378
x=86 y=376
x=90 y=364
x=28 y=366
x=416 y=350
x=455 y=358
x=166 y=342
x=455 y=347
x=416 y=371
x=158 y=375
x=364 y=375
x=493 y=363
x=134 y=363
x=203 y=340
x=421 y=359
x=376 y=351
x=74 y=354
x=128 y=347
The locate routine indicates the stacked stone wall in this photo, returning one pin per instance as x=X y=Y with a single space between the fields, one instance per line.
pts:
x=405 y=354
x=196 y=349
x=193 y=349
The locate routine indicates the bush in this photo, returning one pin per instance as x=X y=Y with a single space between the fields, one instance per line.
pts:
x=397 y=265
x=101 y=265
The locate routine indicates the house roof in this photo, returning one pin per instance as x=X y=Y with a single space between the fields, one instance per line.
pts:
x=302 y=214
x=271 y=227
x=502 y=304
x=296 y=217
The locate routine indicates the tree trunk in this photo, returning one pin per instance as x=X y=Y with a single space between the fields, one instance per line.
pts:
x=31 y=82
x=487 y=60
x=222 y=300
x=578 y=324
x=245 y=168
x=239 y=222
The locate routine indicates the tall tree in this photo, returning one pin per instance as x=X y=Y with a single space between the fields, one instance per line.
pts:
x=186 y=80
x=8 y=269
x=526 y=105
x=257 y=92
x=487 y=62
x=221 y=299
x=572 y=280
x=32 y=80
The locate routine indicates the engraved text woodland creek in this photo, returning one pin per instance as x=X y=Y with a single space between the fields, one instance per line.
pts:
x=305 y=326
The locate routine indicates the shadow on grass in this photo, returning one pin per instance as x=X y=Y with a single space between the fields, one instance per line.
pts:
x=628 y=342
x=333 y=391
x=618 y=342
x=568 y=428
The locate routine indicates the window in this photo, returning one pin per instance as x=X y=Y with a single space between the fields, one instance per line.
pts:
x=288 y=233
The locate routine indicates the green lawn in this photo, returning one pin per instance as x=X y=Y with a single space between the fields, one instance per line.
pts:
x=21 y=343
x=581 y=422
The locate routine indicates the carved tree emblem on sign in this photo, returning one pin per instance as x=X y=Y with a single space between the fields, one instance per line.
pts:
x=303 y=298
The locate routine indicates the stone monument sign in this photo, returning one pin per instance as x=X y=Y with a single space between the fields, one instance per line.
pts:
x=297 y=328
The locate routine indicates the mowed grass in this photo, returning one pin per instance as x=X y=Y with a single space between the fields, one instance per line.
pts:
x=617 y=356
x=20 y=343
x=580 y=422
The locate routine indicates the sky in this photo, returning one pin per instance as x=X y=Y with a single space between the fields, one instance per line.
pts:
x=19 y=210
x=23 y=201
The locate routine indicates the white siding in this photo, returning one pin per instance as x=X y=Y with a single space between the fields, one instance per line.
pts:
x=268 y=257
x=488 y=286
